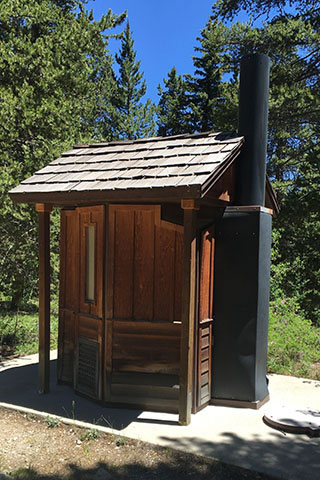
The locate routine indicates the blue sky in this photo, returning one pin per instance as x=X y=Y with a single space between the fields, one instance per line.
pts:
x=164 y=32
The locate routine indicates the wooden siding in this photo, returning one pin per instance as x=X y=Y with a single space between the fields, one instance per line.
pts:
x=69 y=293
x=66 y=346
x=145 y=364
x=144 y=267
x=206 y=275
x=204 y=342
x=143 y=308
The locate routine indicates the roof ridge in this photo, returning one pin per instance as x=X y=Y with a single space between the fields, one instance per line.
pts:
x=209 y=133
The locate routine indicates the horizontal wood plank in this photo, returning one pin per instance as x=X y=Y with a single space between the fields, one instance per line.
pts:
x=145 y=392
x=131 y=378
x=204 y=379
x=153 y=404
x=205 y=341
x=140 y=365
x=204 y=366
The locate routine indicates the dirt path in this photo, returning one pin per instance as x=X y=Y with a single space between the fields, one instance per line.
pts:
x=36 y=448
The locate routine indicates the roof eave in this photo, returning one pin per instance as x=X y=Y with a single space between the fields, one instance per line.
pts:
x=159 y=194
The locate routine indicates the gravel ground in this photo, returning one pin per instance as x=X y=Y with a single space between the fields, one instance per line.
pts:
x=43 y=448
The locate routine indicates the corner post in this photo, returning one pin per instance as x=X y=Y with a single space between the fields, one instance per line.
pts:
x=190 y=208
x=44 y=210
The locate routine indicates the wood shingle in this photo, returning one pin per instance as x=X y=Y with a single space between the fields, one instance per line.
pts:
x=153 y=163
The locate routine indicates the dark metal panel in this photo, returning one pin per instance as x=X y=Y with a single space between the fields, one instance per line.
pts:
x=242 y=269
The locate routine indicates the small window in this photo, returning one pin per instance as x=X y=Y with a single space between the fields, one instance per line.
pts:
x=90 y=264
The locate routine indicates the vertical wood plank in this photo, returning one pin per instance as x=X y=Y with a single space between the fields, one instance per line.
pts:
x=178 y=276
x=105 y=380
x=196 y=330
x=188 y=312
x=205 y=274
x=124 y=261
x=211 y=273
x=70 y=259
x=164 y=274
x=98 y=218
x=108 y=360
x=110 y=262
x=44 y=297
x=143 y=265
x=83 y=220
x=62 y=289
x=62 y=271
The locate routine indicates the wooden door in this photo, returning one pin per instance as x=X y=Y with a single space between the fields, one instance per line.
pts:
x=81 y=298
x=204 y=328
x=89 y=317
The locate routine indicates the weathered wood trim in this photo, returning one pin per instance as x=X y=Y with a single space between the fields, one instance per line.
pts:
x=190 y=204
x=196 y=327
x=188 y=312
x=44 y=297
x=156 y=195
x=43 y=207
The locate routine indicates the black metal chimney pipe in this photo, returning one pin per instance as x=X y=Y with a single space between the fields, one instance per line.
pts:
x=253 y=124
x=242 y=257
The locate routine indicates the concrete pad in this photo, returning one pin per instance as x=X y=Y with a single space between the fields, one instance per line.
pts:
x=236 y=436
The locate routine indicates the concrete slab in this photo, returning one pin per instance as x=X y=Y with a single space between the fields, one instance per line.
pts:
x=236 y=436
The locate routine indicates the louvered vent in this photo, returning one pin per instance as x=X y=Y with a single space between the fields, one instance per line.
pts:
x=88 y=367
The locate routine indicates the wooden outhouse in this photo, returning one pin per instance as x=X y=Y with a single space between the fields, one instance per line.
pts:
x=137 y=266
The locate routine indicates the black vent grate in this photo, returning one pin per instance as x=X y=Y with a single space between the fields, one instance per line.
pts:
x=88 y=367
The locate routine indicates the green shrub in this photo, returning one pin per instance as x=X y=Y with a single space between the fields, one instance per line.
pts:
x=294 y=344
x=20 y=331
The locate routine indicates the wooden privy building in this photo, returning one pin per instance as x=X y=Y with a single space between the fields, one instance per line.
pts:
x=141 y=223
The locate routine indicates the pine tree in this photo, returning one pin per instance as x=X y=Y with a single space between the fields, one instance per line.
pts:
x=213 y=101
x=131 y=117
x=293 y=44
x=52 y=55
x=292 y=41
x=174 y=114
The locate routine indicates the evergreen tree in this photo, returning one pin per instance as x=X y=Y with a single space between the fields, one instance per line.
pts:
x=213 y=101
x=53 y=64
x=130 y=117
x=292 y=41
x=174 y=114
x=293 y=44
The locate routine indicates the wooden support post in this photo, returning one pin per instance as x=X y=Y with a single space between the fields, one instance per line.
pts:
x=44 y=296
x=188 y=310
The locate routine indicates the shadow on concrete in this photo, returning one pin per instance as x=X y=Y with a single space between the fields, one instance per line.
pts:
x=280 y=456
x=18 y=386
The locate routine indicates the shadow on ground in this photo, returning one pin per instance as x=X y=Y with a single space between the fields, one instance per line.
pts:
x=190 y=468
x=18 y=386
x=282 y=457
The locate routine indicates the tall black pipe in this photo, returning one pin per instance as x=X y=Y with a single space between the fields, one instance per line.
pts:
x=253 y=124
x=242 y=257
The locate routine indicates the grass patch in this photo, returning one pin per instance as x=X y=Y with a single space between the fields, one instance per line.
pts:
x=294 y=343
x=19 y=332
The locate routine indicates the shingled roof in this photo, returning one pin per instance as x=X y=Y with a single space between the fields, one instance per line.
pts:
x=187 y=162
